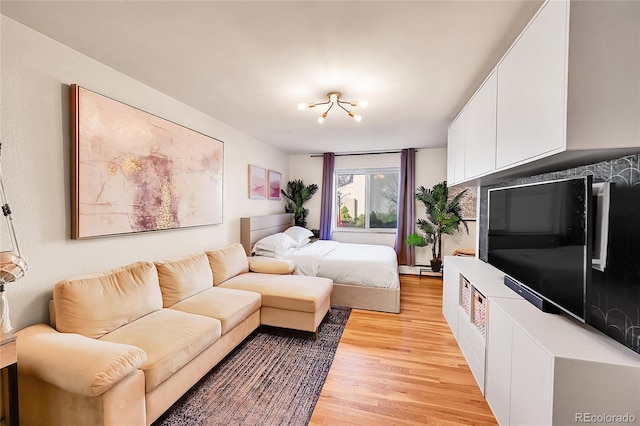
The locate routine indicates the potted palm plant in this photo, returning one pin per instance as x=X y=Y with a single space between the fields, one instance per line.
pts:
x=297 y=194
x=444 y=217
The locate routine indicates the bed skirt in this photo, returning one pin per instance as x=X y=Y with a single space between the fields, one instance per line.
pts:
x=368 y=298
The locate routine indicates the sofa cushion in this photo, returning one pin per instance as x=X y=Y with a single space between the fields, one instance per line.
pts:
x=170 y=339
x=230 y=306
x=228 y=262
x=184 y=277
x=96 y=304
x=95 y=368
x=290 y=292
x=269 y=265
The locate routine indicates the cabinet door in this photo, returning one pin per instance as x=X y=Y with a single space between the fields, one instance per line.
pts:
x=531 y=382
x=455 y=150
x=532 y=90
x=450 y=295
x=498 y=364
x=480 y=142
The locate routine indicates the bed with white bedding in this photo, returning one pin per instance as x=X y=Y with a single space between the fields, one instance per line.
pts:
x=365 y=276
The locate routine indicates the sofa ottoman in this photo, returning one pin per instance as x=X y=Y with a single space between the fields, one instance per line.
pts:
x=288 y=301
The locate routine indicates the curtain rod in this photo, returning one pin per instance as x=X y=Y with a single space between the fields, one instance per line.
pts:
x=361 y=153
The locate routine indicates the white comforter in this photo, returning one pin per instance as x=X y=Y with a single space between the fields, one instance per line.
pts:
x=345 y=263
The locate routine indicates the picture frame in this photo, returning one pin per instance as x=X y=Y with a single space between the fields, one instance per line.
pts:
x=130 y=173
x=469 y=202
x=275 y=182
x=257 y=182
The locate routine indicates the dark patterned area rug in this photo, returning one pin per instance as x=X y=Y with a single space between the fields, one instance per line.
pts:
x=272 y=378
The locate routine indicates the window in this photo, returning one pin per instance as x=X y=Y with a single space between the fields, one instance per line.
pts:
x=366 y=199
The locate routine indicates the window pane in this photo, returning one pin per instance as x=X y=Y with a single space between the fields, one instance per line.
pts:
x=384 y=200
x=350 y=197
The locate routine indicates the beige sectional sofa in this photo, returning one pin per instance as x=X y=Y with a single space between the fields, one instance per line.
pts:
x=126 y=344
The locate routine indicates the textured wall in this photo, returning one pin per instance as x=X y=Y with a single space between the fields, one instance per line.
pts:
x=614 y=298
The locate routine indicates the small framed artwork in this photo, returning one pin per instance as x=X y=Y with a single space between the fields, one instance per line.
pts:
x=257 y=182
x=274 y=185
x=468 y=203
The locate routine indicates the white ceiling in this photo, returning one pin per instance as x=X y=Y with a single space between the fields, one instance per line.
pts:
x=248 y=64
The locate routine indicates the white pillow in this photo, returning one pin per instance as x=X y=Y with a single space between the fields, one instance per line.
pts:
x=304 y=242
x=274 y=245
x=299 y=234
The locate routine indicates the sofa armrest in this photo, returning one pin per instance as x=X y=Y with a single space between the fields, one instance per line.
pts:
x=270 y=265
x=75 y=363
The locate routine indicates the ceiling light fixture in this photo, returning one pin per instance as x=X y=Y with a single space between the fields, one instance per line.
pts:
x=334 y=99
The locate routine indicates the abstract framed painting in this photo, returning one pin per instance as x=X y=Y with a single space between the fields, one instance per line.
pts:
x=257 y=182
x=135 y=172
x=275 y=179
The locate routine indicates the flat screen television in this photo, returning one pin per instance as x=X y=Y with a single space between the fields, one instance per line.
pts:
x=539 y=235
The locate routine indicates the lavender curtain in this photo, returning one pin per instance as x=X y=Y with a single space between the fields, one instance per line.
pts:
x=406 y=207
x=329 y=162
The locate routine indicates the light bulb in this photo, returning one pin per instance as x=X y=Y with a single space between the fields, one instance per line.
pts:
x=302 y=107
x=321 y=118
x=355 y=116
x=361 y=104
x=333 y=97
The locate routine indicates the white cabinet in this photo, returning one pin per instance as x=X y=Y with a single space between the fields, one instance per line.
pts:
x=532 y=91
x=519 y=375
x=472 y=328
x=455 y=150
x=487 y=279
x=531 y=382
x=480 y=143
x=467 y=284
x=536 y=368
x=566 y=92
x=545 y=369
x=498 y=365
x=450 y=296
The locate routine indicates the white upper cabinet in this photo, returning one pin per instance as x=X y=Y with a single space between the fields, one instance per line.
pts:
x=532 y=90
x=480 y=143
x=567 y=91
x=455 y=150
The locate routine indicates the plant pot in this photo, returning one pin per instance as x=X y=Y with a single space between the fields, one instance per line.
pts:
x=436 y=264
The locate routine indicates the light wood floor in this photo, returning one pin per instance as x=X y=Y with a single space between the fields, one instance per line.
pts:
x=401 y=369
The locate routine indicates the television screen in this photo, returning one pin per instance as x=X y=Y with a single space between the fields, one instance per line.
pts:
x=539 y=236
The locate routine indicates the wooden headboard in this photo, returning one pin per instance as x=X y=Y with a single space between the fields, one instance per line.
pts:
x=252 y=229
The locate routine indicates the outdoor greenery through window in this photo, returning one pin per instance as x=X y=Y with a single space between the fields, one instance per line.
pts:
x=366 y=199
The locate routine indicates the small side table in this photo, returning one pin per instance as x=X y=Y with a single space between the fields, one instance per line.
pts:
x=9 y=366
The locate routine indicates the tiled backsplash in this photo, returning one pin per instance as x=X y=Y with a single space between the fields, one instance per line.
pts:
x=614 y=299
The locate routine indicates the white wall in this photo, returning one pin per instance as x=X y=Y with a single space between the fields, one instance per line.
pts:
x=36 y=168
x=431 y=168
